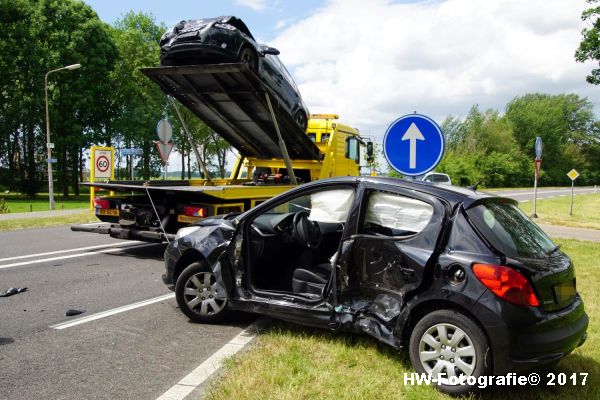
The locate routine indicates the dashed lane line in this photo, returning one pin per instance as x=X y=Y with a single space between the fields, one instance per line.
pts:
x=86 y=254
x=108 y=313
x=49 y=253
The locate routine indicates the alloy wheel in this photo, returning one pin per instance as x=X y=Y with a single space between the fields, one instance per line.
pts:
x=200 y=293
x=446 y=349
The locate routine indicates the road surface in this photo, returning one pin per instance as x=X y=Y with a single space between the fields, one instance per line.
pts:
x=135 y=354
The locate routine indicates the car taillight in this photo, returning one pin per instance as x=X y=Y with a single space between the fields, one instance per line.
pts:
x=506 y=283
x=194 y=211
x=101 y=203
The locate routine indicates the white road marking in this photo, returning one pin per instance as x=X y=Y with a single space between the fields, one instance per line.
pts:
x=201 y=373
x=90 y=253
x=49 y=253
x=523 y=201
x=108 y=313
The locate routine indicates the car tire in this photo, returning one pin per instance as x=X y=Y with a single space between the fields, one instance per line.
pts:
x=195 y=292
x=301 y=120
x=432 y=349
x=248 y=56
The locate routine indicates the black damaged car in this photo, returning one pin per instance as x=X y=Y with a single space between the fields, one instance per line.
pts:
x=461 y=279
x=228 y=40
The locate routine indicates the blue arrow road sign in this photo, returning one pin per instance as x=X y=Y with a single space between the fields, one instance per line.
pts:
x=538 y=147
x=413 y=144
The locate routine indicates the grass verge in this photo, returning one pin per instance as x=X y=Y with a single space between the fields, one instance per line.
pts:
x=20 y=204
x=555 y=211
x=291 y=362
x=29 y=223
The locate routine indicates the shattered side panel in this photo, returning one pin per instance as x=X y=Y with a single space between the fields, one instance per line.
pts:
x=377 y=272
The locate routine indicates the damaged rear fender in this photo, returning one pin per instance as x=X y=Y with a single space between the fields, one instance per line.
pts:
x=414 y=311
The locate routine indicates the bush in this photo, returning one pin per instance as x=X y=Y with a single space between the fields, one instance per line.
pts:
x=3 y=206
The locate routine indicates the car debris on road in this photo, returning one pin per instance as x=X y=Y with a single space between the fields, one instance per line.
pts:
x=12 y=291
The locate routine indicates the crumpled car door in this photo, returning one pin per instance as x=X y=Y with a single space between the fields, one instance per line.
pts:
x=394 y=244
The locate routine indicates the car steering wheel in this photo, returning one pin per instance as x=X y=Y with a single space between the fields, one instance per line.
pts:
x=306 y=232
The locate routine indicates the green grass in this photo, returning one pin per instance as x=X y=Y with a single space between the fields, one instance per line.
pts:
x=555 y=211
x=20 y=204
x=28 y=223
x=291 y=362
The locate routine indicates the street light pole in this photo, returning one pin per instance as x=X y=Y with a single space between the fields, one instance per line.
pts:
x=50 y=145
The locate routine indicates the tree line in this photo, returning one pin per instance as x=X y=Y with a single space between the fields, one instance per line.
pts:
x=107 y=101
x=498 y=149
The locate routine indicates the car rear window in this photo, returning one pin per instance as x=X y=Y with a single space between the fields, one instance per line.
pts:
x=510 y=231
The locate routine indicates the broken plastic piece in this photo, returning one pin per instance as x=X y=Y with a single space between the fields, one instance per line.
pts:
x=72 y=312
x=12 y=291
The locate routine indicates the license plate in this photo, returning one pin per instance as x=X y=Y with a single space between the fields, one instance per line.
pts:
x=187 y=219
x=564 y=291
x=112 y=212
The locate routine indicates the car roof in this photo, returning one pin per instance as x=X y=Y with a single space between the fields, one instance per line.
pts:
x=450 y=193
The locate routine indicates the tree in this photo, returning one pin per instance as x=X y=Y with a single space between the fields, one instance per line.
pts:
x=40 y=35
x=138 y=104
x=483 y=145
x=589 y=48
x=568 y=128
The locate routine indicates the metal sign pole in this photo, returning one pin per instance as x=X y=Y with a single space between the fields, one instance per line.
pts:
x=572 y=188
x=534 y=215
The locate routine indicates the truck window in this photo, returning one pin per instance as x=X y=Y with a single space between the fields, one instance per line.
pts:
x=352 y=149
x=312 y=136
x=324 y=137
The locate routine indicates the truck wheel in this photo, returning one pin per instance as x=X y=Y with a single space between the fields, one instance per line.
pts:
x=447 y=344
x=195 y=292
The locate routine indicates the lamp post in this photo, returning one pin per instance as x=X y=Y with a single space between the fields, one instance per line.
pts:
x=50 y=145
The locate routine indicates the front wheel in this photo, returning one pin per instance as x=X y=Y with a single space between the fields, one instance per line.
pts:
x=197 y=294
x=301 y=120
x=248 y=56
x=450 y=346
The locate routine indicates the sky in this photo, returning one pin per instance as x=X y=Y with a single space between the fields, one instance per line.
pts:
x=374 y=61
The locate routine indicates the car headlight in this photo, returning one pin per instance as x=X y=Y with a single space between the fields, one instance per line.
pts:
x=186 y=231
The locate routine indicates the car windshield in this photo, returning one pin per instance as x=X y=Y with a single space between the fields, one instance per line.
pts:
x=510 y=231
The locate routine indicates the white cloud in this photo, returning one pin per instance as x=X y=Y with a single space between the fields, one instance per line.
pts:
x=374 y=63
x=256 y=5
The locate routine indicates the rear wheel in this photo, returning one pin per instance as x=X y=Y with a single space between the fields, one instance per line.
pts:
x=198 y=296
x=447 y=345
x=248 y=56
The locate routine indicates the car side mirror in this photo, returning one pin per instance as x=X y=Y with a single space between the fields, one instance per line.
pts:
x=264 y=50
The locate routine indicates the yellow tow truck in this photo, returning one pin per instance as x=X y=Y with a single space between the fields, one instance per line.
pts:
x=274 y=155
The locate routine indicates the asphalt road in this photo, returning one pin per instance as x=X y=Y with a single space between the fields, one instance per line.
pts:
x=543 y=193
x=139 y=353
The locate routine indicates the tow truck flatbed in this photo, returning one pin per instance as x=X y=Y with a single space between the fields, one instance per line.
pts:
x=223 y=192
x=230 y=99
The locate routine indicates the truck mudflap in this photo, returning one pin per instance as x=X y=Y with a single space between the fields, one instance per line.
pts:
x=118 y=232
x=230 y=99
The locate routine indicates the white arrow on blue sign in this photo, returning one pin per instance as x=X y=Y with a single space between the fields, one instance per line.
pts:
x=538 y=147
x=413 y=144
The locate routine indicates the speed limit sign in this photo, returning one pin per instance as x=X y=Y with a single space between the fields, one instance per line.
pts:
x=102 y=162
